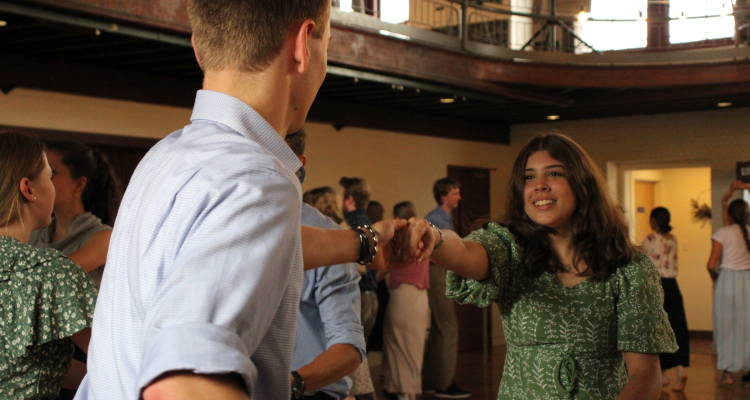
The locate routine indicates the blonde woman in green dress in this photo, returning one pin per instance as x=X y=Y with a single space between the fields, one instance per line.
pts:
x=582 y=308
x=47 y=300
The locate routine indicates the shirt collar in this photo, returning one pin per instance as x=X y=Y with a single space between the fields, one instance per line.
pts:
x=236 y=114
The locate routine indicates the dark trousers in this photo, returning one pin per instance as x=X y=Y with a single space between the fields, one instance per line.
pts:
x=676 y=312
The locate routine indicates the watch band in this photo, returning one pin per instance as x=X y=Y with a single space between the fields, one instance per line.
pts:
x=298 y=391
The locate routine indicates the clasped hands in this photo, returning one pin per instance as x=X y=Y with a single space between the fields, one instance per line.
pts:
x=402 y=243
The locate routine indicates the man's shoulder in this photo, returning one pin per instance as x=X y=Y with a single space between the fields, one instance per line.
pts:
x=215 y=152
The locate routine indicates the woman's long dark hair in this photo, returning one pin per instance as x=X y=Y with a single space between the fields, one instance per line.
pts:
x=600 y=233
x=103 y=192
x=740 y=215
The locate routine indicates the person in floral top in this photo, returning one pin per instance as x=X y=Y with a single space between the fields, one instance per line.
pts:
x=582 y=308
x=661 y=247
x=47 y=300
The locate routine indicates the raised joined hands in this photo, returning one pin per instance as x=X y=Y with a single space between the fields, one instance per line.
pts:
x=402 y=242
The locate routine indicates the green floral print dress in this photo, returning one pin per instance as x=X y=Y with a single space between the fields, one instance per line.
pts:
x=567 y=343
x=45 y=299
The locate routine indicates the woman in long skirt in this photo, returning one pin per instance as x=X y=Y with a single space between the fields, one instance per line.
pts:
x=661 y=247
x=731 y=245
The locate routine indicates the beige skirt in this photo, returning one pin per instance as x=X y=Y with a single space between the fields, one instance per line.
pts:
x=407 y=321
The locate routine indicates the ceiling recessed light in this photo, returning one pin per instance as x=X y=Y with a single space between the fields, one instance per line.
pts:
x=553 y=117
x=448 y=100
x=3 y=23
x=724 y=104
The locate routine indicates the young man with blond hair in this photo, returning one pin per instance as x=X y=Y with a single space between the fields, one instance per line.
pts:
x=200 y=295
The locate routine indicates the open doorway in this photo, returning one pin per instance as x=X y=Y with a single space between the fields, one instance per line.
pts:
x=679 y=190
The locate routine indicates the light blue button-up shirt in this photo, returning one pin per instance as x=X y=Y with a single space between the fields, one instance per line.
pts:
x=329 y=310
x=440 y=218
x=204 y=270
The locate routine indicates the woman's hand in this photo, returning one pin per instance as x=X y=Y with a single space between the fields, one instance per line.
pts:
x=390 y=233
x=713 y=259
x=713 y=273
x=464 y=257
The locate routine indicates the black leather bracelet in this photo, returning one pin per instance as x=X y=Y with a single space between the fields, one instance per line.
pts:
x=364 y=246
x=368 y=246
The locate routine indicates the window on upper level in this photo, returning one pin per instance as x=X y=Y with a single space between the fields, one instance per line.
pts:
x=617 y=25
x=394 y=11
x=700 y=20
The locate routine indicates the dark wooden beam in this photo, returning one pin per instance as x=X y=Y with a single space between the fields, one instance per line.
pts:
x=67 y=77
x=387 y=55
x=340 y=113
x=578 y=76
x=170 y=15
x=87 y=80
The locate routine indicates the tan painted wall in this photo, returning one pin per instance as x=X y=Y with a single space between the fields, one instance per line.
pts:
x=48 y=110
x=398 y=166
x=677 y=187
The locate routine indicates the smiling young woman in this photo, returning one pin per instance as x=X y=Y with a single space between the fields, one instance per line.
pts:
x=582 y=308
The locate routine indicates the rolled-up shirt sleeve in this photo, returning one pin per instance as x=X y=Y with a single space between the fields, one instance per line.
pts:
x=215 y=302
x=337 y=296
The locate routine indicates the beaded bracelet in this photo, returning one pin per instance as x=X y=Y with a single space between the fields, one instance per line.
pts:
x=436 y=248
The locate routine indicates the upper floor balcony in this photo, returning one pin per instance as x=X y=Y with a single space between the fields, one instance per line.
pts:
x=603 y=32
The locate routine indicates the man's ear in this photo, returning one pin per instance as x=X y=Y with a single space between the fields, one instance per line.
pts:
x=349 y=203
x=301 y=49
x=303 y=159
x=195 y=51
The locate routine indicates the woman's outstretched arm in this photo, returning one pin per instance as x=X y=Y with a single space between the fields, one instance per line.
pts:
x=464 y=257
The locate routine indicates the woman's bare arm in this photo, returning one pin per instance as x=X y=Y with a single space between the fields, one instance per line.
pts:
x=93 y=253
x=75 y=375
x=464 y=257
x=644 y=377
x=82 y=339
x=713 y=259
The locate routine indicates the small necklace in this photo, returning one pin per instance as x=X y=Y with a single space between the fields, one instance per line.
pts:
x=566 y=267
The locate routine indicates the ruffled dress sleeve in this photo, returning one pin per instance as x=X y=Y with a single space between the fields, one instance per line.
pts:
x=504 y=257
x=642 y=323
x=48 y=297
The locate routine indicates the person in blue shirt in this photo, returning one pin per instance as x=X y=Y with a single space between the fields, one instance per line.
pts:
x=204 y=273
x=330 y=342
x=441 y=352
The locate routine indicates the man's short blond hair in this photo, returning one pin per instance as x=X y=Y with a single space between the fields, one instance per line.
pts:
x=246 y=35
